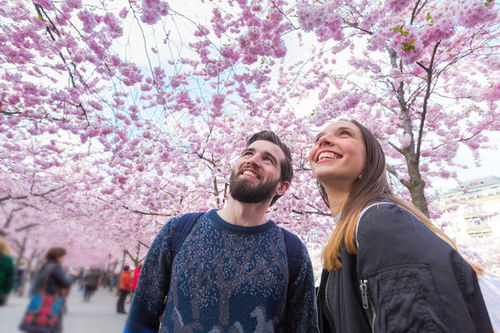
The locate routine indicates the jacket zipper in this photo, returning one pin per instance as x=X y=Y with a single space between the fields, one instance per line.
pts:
x=326 y=294
x=367 y=303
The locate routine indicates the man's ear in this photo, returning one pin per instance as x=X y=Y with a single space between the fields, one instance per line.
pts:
x=282 y=187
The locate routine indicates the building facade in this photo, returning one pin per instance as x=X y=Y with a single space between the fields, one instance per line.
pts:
x=471 y=215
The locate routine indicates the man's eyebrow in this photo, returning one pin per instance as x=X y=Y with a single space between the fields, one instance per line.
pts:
x=268 y=154
x=265 y=153
x=248 y=149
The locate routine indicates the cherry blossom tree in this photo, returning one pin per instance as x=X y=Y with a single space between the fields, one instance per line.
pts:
x=115 y=117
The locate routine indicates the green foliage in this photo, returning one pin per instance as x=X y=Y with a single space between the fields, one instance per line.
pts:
x=401 y=31
x=409 y=46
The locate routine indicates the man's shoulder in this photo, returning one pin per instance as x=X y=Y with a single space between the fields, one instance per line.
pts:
x=294 y=245
x=175 y=230
x=178 y=221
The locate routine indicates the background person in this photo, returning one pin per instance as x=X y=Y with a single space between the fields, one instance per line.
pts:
x=7 y=271
x=135 y=279
x=90 y=283
x=51 y=279
x=124 y=288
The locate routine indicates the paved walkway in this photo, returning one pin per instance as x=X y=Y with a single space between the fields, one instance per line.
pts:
x=97 y=316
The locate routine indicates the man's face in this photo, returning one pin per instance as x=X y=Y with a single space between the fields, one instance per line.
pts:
x=256 y=176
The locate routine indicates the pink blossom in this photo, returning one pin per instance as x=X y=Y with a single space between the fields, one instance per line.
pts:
x=114 y=25
x=396 y=6
x=153 y=10
x=89 y=20
x=202 y=31
x=74 y=4
x=123 y=13
x=46 y=4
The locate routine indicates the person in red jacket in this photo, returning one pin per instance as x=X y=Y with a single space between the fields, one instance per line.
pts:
x=135 y=279
x=124 y=288
x=137 y=272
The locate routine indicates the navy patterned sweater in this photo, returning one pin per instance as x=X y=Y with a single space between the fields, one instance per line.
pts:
x=225 y=278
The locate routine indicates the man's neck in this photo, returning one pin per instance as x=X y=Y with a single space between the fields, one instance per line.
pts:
x=244 y=214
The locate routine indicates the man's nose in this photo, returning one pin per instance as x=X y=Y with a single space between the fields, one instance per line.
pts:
x=253 y=160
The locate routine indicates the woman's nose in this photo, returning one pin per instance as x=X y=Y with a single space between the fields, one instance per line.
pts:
x=325 y=141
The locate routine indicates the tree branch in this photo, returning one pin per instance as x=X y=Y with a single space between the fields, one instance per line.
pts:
x=28 y=226
x=426 y=102
x=9 y=197
x=145 y=213
x=10 y=217
x=48 y=192
x=144 y=244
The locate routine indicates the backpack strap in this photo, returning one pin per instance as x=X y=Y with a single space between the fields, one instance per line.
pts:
x=294 y=254
x=181 y=230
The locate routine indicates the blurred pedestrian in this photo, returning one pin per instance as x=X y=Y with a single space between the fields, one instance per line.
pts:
x=7 y=271
x=124 y=288
x=90 y=283
x=20 y=275
x=137 y=272
x=50 y=286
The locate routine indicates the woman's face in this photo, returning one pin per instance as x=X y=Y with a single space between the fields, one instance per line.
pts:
x=338 y=154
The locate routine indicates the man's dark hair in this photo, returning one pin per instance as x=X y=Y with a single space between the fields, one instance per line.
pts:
x=126 y=268
x=286 y=165
x=55 y=253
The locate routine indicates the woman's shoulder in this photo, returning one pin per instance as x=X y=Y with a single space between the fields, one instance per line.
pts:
x=385 y=209
x=384 y=218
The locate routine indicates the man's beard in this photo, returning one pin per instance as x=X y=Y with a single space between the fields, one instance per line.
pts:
x=241 y=191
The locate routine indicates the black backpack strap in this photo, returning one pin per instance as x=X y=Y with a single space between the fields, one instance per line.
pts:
x=294 y=254
x=181 y=230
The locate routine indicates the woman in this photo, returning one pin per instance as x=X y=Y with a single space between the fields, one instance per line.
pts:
x=7 y=271
x=387 y=268
x=49 y=288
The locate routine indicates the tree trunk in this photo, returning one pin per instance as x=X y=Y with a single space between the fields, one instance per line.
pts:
x=416 y=184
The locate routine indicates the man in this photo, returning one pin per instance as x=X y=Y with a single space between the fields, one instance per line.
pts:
x=124 y=288
x=233 y=272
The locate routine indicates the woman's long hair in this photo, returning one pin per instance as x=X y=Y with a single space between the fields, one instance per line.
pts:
x=371 y=186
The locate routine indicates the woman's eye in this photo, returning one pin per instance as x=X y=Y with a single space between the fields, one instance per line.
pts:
x=344 y=132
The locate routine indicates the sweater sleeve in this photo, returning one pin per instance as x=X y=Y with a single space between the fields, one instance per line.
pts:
x=152 y=288
x=301 y=303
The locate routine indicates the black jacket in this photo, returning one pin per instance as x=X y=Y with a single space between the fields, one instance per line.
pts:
x=404 y=278
x=53 y=273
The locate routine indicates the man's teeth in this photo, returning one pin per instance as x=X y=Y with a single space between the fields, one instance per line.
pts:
x=250 y=173
x=327 y=155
